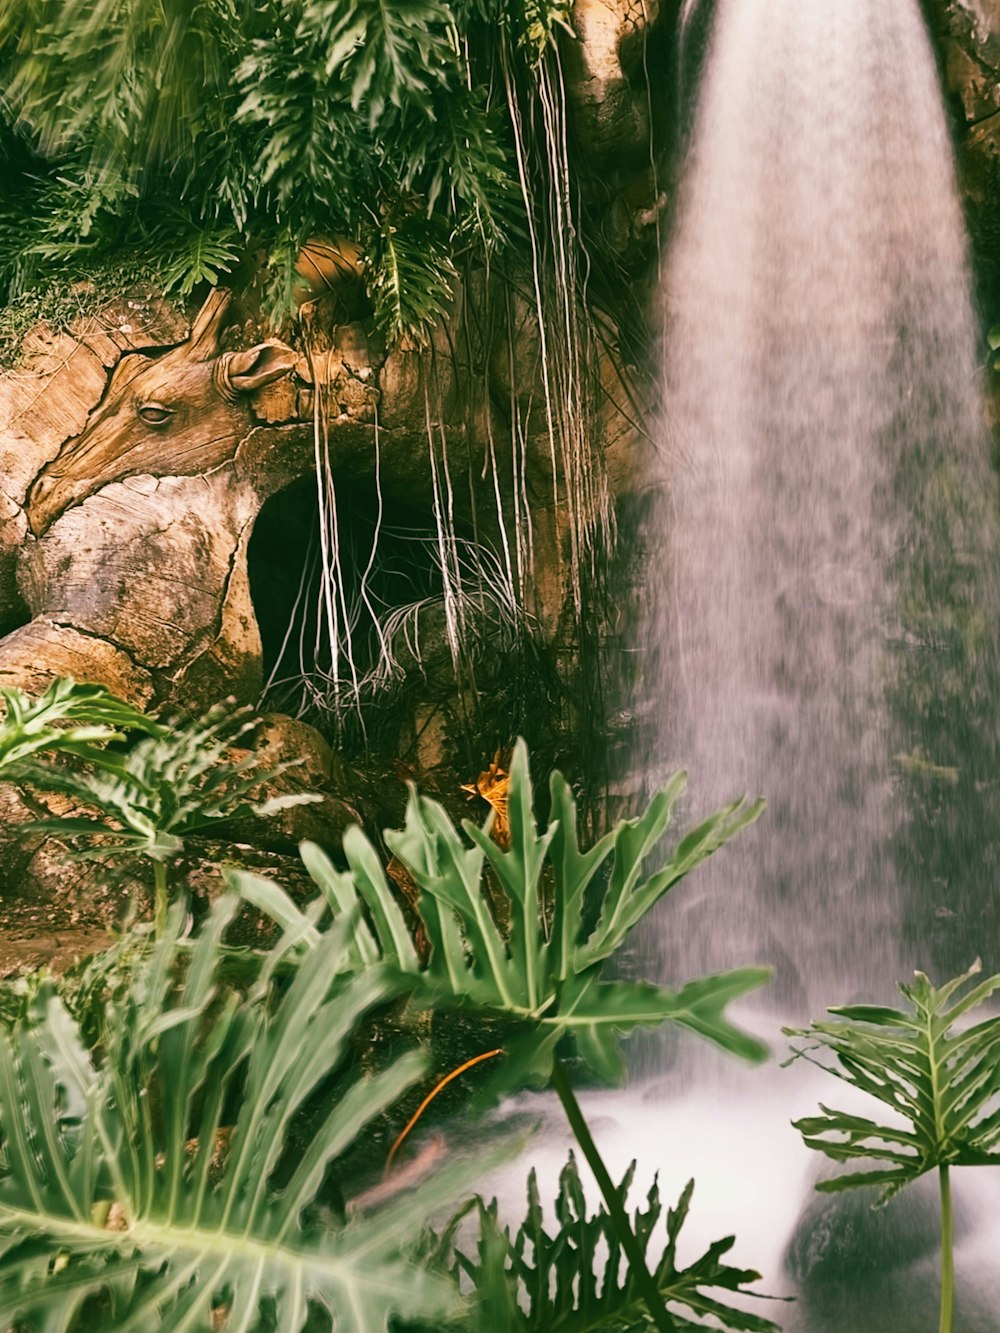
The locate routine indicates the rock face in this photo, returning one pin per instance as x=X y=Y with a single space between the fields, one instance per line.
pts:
x=124 y=531
x=132 y=532
x=612 y=115
x=968 y=35
x=138 y=450
x=47 y=402
x=132 y=478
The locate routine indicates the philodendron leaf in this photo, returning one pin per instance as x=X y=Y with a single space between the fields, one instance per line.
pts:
x=179 y=779
x=939 y=1077
x=68 y=718
x=533 y=961
x=211 y=1205
x=573 y=1277
x=549 y=976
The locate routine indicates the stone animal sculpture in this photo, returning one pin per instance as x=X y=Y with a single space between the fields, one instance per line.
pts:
x=135 y=570
x=333 y=268
x=176 y=414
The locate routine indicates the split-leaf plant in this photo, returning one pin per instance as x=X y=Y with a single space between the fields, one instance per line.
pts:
x=940 y=1080
x=540 y=1278
x=175 y=782
x=533 y=955
x=158 y=1188
x=68 y=719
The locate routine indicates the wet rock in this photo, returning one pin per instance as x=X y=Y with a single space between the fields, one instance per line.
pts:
x=199 y=870
x=46 y=399
x=55 y=951
x=609 y=114
x=36 y=654
x=281 y=739
x=971 y=50
x=841 y=1237
x=968 y=38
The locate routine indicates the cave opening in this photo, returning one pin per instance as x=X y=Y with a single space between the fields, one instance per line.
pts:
x=347 y=617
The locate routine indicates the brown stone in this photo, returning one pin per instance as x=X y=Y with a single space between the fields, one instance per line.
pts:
x=610 y=117
x=41 y=651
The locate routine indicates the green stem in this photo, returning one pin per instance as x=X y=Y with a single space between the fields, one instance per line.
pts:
x=162 y=901
x=947 y=1253
x=616 y=1210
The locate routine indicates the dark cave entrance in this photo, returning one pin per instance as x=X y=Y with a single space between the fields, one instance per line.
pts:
x=330 y=645
x=370 y=662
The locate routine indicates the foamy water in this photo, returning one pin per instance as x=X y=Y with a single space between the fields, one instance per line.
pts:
x=754 y=1178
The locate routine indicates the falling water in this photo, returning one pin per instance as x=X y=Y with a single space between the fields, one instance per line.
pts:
x=823 y=584
x=820 y=590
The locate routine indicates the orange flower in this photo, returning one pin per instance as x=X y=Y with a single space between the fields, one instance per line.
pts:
x=493 y=786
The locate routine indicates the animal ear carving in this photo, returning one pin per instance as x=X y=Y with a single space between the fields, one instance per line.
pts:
x=206 y=331
x=245 y=372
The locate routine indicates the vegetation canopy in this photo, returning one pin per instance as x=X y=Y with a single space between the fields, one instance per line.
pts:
x=177 y=137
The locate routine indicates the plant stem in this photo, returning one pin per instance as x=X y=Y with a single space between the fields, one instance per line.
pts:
x=161 y=901
x=947 y=1253
x=616 y=1210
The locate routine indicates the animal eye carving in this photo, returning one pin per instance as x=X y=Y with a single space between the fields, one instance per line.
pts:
x=155 y=414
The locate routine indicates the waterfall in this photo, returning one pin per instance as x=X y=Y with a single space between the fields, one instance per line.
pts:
x=822 y=585
x=818 y=579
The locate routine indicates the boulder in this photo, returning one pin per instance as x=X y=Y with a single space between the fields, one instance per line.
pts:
x=843 y=1237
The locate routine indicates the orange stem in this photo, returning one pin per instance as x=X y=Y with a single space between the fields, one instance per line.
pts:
x=476 y=1059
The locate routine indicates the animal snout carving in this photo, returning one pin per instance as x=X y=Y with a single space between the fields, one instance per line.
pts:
x=176 y=414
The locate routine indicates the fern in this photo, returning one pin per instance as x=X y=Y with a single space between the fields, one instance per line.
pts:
x=175 y=782
x=388 y=52
x=309 y=145
x=413 y=277
x=172 y=784
x=201 y=255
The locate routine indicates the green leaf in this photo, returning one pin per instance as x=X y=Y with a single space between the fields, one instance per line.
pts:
x=495 y=951
x=68 y=718
x=941 y=1079
x=193 y=253
x=215 y=1210
x=572 y=1278
x=387 y=52
x=177 y=780
x=273 y=901
x=397 y=946
x=412 y=277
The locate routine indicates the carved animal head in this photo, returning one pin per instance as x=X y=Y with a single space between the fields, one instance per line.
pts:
x=175 y=414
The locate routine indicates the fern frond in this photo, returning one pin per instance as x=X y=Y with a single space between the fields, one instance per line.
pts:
x=412 y=277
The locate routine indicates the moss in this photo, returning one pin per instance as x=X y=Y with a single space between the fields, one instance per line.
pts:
x=60 y=299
